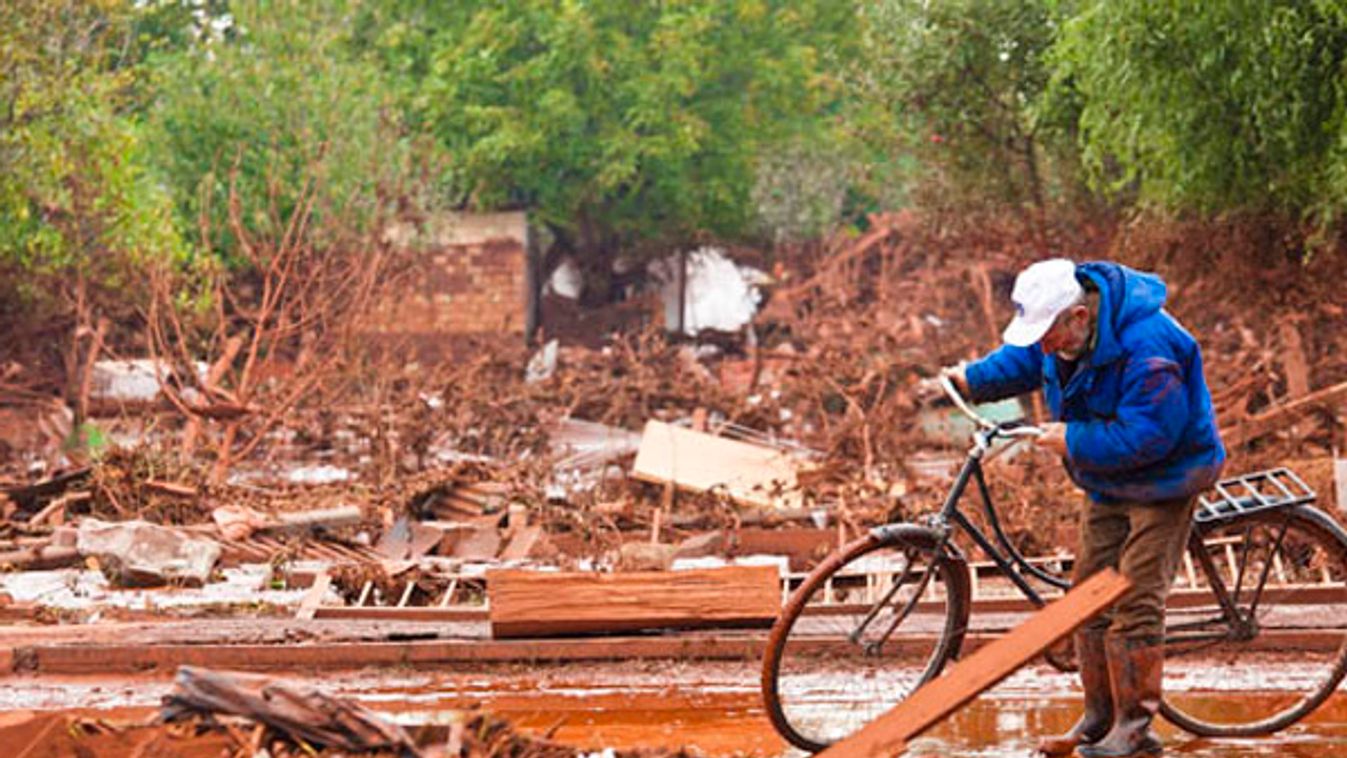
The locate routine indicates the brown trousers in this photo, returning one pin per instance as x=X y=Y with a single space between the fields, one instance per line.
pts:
x=1144 y=541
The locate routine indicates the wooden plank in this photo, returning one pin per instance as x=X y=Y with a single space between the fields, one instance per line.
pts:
x=413 y=613
x=1293 y=361
x=98 y=658
x=523 y=543
x=40 y=557
x=539 y=604
x=1284 y=414
x=805 y=546
x=327 y=657
x=932 y=702
x=1340 y=481
x=749 y=474
x=314 y=597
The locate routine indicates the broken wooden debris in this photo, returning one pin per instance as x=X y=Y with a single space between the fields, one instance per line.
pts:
x=541 y=604
x=40 y=558
x=55 y=512
x=1279 y=416
x=526 y=543
x=299 y=711
x=640 y=555
x=933 y=701
x=747 y=473
x=1340 y=482
x=29 y=497
x=584 y=444
x=321 y=518
x=237 y=522
x=471 y=543
x=314 y=597
x=469 y=733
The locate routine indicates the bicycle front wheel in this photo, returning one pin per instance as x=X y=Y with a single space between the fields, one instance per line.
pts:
x=866 y=628
x=1286 y=572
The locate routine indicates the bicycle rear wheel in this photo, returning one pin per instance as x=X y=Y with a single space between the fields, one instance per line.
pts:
x=871 y=623
x=1287 y=574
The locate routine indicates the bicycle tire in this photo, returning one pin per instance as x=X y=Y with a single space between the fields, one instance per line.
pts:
x=796 y=650
x=1308 y=661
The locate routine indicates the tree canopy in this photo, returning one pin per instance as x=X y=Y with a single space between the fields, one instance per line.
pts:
x=1211 y=106
x=628 y=128
x=619 y=124
x=76 y=184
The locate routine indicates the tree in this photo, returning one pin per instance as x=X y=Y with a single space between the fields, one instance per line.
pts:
x=962 y=83
x=625 y=126
x=277 y=97
x=80 y=213
x=1234 y=105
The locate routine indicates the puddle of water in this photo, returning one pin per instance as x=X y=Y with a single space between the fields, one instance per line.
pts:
x=714 y=707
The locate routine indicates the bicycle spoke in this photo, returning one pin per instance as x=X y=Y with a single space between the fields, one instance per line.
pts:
x=901 y=615
x=1267 y=567
x=1284 y=617
x=834 y=664
x=883 y=602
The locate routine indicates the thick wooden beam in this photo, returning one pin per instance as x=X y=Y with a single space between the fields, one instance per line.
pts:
x=543 y=604
x=933 y=701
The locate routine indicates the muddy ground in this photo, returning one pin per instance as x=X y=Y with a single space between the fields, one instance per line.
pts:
x=469 y=441
x=713 y=707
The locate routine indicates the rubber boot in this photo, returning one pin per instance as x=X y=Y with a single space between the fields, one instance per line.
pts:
x=1135 y=669
x=1094 y=723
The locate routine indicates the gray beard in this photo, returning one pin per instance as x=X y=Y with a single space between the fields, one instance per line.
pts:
x=1069 y=355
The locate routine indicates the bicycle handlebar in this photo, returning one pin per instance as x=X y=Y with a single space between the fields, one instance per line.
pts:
x=1008 y=429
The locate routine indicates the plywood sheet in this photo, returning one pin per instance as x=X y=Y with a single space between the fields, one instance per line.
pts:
x=750 y=474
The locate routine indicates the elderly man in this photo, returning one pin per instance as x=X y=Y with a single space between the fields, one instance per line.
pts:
x=1134 y=425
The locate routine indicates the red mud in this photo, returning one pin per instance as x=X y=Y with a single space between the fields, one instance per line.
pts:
x=714 y=708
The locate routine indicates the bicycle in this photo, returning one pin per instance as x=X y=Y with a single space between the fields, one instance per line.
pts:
x=1264 y=582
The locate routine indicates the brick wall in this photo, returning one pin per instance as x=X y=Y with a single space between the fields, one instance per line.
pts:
x=473 y=280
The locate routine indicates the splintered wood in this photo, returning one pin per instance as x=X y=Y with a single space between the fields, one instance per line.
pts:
x=749 y=474
x=537 y=604
x=933 y=701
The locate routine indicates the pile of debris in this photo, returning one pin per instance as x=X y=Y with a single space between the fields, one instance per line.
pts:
x=241 y=716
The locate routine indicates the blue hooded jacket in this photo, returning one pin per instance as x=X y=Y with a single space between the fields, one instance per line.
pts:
x=1140 y=426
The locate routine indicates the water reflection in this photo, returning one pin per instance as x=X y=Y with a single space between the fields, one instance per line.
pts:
x=1010 y=727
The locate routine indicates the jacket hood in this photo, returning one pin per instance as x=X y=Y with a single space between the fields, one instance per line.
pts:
x=1126 y=296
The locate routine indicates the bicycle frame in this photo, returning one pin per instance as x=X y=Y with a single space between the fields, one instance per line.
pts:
x=1011 y=563
x=1007 y=558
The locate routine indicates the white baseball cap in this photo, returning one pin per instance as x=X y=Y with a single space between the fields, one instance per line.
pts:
x=1042 y=291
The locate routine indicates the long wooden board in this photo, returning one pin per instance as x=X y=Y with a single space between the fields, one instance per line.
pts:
x=932 y=702
x=544 y=604
x=751 y=474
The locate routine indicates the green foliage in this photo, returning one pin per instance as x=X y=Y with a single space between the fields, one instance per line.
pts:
x=623 y=123
x=1214 y=106
x=961 y=82
x=75 y=189
x=277 y=102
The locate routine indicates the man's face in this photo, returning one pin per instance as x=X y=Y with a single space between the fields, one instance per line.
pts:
x=1069 y=335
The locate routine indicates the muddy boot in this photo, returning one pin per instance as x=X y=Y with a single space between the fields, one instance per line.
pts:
x=1135 y=668
x=1098 y=716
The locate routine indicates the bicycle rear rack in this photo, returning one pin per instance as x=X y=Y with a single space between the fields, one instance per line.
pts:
x=1249 y=493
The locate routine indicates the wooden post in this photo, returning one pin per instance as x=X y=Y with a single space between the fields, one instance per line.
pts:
x=933 y=701
x=314 y=597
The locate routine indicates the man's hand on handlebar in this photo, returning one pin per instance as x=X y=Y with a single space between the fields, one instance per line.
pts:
x=928 y=389
x=1053 y=437
x=958 y=373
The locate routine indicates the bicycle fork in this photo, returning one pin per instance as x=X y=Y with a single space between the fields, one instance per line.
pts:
x=873 y=647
